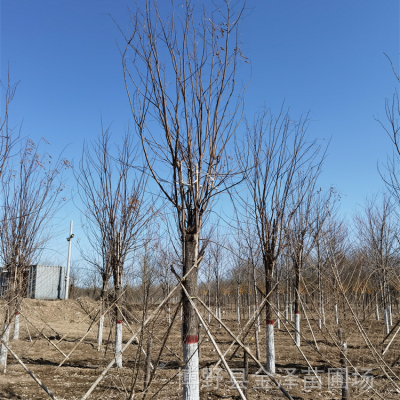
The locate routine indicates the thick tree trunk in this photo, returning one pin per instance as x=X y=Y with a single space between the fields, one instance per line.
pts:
x=3 y=350
x=270 y=367
x=189 y=324
x=16 y=326
x=103 y=296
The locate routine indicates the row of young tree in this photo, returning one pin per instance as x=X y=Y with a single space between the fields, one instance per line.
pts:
x=159 y=188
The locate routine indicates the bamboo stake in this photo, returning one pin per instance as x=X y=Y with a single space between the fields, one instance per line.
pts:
x=391 y=340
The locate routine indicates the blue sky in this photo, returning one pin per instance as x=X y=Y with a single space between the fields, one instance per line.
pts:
x=322 y=57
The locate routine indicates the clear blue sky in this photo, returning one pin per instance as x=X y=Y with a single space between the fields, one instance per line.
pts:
x=325 y=57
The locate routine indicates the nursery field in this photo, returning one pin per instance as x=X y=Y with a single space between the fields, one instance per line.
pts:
x=58 y=345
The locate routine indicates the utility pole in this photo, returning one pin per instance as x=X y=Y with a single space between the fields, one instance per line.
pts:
x=71 y=235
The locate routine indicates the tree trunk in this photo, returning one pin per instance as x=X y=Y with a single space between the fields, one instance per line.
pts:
x=238 y=303
x=3 y=350
x=297 y=304
x=101 y=321
x=147 y=364
x=270 y=367
x=118 y=323
x=189 y=324
x=16 y=326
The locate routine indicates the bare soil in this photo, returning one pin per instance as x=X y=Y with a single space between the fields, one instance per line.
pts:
x=65 y=323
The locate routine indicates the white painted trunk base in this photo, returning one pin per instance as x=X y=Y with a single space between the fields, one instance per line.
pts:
x=297 y=329
x=270 y=367
x=286 y=313
x=336 y=315
x=16 y=327
x=390 y=314
x=118 y=343
x=100 y=333
x=191 y=372
x=278 y=320
x=3 y=349
x=386 y=320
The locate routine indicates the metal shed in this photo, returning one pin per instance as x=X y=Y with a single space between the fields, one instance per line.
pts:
x=46 y=282
x=42 y=282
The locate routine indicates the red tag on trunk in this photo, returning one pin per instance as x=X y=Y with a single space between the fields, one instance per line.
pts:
x=190 y=339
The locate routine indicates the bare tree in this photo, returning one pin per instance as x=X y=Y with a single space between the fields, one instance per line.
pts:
x=378 y=240
x=303 y=232
x=277 y=151
x=31 y=195
x=184 y=102
x=116 y=211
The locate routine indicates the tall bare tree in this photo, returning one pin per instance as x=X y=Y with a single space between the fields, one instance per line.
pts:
x=180 y=77
x=116 y=211
x=278 y=150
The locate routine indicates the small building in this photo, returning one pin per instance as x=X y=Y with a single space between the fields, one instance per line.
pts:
x=42 y=282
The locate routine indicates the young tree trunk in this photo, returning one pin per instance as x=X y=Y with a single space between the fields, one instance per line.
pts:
x=278 y=314
x=321 y=317
x=168 y=306
x=389 y=309
x=189 y=324
x=376 y=307
x=209 y=306
x=297 y=304
x=287 y=300
x=238 y=303
x=336 y=314
x=147 y=364
x=290 y=304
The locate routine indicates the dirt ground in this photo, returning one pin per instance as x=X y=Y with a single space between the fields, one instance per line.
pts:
x=65 y=324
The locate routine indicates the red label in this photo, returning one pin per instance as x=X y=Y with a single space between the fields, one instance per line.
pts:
x=190 y=339
x=119 y=321
x=270 y=322
x=17 y=313
x=297 y=312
